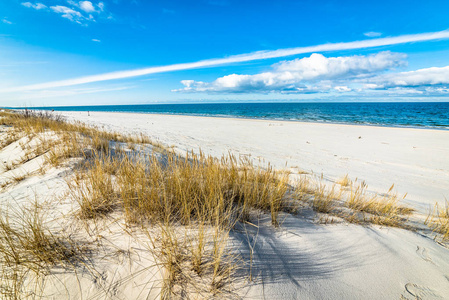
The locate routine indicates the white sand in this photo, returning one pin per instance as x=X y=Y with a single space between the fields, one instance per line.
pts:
x=415 y=160
x=302 y=259
x=122 y=267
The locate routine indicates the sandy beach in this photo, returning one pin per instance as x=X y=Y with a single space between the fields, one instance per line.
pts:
x=304 y=258
x=415 y=160
x=223 y=149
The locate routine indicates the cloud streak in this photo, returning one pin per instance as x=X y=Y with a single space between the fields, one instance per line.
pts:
x=42 y=94
x=372 y=34
x=259 y=55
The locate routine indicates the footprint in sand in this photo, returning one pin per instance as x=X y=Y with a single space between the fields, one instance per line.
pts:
x=421 y=292
x=422 y=252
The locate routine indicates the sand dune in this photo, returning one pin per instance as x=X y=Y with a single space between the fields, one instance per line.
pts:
x=307 y=261
x=415 y=160
x=302 y=259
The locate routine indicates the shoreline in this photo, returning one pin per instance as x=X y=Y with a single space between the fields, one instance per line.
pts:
x=334 y=114
x=267 y=119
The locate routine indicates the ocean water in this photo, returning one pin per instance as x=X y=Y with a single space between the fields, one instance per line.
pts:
x=423 y=115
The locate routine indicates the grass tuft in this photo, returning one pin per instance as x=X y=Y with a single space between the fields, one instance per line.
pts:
x=381 y=209
x=438 y=220
x=324 y=198
x=28 y=246
x=344 y=181
x=93 y=190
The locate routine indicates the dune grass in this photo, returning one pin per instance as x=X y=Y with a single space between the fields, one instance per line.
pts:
x=324 y=198
x=353 y=203
x=199 y=195
x=438 y=220
x=9 y=137
x=344 y=181
x=28 y=248
x=378 y=209
x=162 y=190
x=30 y=122
x=177 y=188
x=187 y=204
x=19 y=177
x=199 y=267
x=93 y=189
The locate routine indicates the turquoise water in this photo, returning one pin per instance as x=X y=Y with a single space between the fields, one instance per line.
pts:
x=425 y=114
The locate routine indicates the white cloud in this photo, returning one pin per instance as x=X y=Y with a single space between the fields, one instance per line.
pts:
x=434 y=77
x=87 y=6
x=68 y=13
x=310 y=74
x=7 y=22
x=96 y=40
x=259 y=55
x=80 y=12
x=342 y=88
x=36 y=6
x=318 y=65
x=372 y=34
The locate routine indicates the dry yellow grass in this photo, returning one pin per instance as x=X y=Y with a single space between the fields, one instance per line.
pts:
x=438 y=220
x=197 y=187
x=324 y=198
x=28 y=122
x=170 y=192
x=9 y=137
x=29 y=248
x=353 y=203
x=165 y=191
x=93 y=190
x=344 y=181
x=382 y=210
x=315 y=192
x=189 y=203
x=202 y=275
x=303 y=187
x=19 y=177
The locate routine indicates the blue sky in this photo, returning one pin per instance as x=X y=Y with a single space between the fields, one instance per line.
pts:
x=62 y=52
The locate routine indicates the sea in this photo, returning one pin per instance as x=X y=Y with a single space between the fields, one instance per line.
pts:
x=434 y=115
